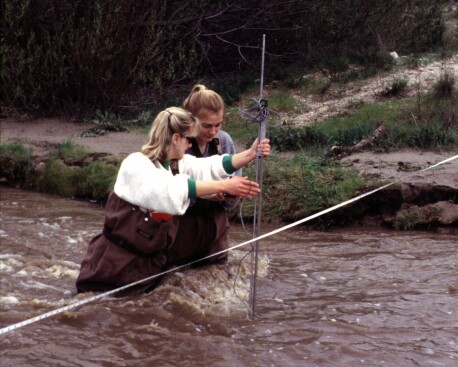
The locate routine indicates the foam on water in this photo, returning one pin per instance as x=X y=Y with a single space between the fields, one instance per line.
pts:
x=71 y=240
x=59 y=271
x=220 y=290
x=55 y=226
x=8 y=263
x=9 y=300
x=26 y=221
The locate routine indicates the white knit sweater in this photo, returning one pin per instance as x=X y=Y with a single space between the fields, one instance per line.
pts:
x=151 y=186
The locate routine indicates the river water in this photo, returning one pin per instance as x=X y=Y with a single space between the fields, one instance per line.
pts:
x=347 y=297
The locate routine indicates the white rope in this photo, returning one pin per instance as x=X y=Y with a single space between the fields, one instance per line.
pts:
x=103 y=295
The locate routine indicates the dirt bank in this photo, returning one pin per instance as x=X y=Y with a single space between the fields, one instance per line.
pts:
x=43 y=135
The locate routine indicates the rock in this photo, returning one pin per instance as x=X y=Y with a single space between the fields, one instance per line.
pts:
x=395 y=56
x=448 y=212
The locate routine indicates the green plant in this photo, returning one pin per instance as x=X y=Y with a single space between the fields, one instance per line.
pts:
x=69 y=152
x=282 y=101
x=94 y=181
x=406 y=220
x=105 y=122
x=145 y=118
x=16 y=151
x=58 y=179
x=432 y=136
x=288 y=138
x=293 y=81
x=383 y=60
x=351 y=136
x=396 y=88
x=109 y=121
x=16 y=163
x=334 y=66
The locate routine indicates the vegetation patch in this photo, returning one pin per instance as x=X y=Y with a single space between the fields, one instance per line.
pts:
x=415 y=217
x=69 y=152
x=94 y=181
x=430 y=123
x=305 y=185
x=16 y=164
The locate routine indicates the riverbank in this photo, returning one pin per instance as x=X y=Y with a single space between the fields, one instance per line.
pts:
x=421 y=200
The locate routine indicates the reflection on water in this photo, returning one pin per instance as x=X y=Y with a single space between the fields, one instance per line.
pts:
x=351 y=297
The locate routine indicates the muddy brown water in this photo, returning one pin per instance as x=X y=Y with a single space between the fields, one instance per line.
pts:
x=347 y=297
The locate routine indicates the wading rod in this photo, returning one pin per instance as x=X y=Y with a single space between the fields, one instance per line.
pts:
x=262 y=120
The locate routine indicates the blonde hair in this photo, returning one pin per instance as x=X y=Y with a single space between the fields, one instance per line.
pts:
x=168 y=122
x=202 y=100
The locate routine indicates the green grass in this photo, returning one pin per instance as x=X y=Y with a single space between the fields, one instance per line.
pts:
x=16 y=151
x=305 y=185
x=16 y=164
x=59 y=175
x=282 y=101
x=94 y=181
x=432 y=125
x=69 y=152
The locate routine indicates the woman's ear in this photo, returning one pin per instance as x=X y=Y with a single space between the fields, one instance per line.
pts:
x=176 y=138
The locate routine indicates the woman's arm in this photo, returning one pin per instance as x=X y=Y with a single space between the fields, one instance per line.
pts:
x=237 y=186
x=243 y=158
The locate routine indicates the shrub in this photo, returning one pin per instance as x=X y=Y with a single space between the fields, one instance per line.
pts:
x=432 y=136
x=94 y=181
x=69 y=152
x=74 y=55
x=16 y=163
x=283 y=101
x=396 y=88
x=445 y=86
x=406 y=220
x=285 y=139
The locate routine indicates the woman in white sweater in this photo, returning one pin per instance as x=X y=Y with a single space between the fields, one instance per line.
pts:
x=152 y=188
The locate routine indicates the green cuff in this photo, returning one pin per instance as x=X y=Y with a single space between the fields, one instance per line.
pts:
x=192 y=190
x=227 y=164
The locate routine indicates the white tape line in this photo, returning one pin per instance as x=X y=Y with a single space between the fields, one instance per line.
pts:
x=102 y=295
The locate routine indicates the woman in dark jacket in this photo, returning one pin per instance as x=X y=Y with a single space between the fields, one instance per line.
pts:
x=203 y=229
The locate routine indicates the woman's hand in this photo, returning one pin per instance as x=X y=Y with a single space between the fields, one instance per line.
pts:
x=241 y=187
x=240 y=160
x=262 y=148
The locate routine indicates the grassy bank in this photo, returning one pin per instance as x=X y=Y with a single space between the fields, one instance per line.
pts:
x=305 y=184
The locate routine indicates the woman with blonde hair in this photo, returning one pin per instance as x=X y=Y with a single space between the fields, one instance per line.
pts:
x=203 y=229
x=152 y=189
